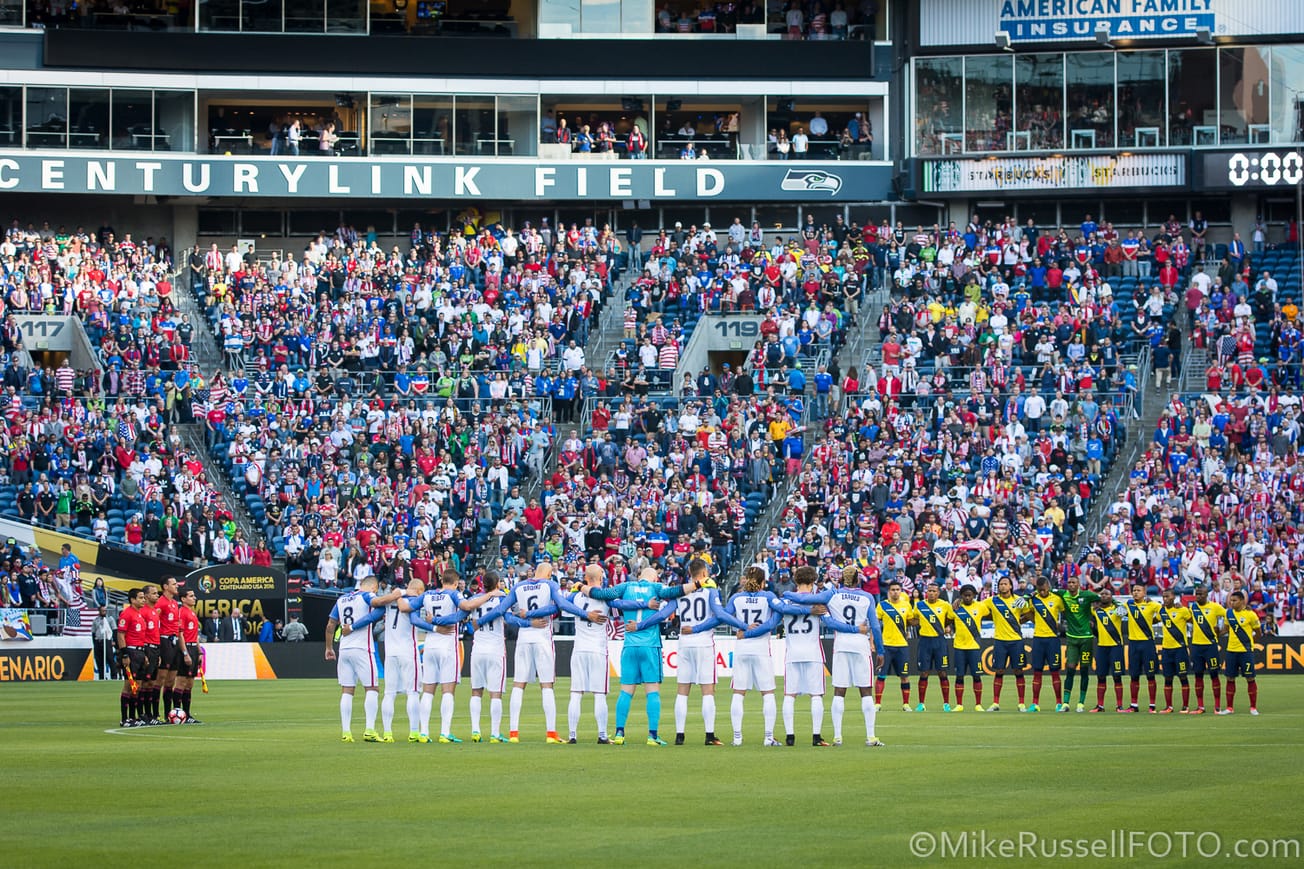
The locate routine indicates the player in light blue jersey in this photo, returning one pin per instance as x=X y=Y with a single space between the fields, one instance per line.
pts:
x=640 y=659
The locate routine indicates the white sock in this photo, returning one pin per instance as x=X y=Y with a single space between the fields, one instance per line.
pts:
x=549 y=710
x=839 y=704
x=789 y=712
x=736 y=715
x=767 y=712
x=446 y=713
x=708 y=713
x=600 y=713
x=867 y=707
x=495 y=715
x=816 y=715
x=518 y=697
x=346 y=711
x=371 y=703
x=413 y=712
x=573 y=713
x=681 y=712
x=427 y=704
x=476 y=705
x=387 y=712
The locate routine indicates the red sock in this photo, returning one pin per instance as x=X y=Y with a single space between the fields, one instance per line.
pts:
x=1199 y=691
x=1056 y=684
x=1036 y=687
x=1230 y=693
x=946 y=690
x=1152 y=687
x=978 y=691
x=996 y=689
x=1217 y=684
x=959 y=691
x=1019 y=688
x=905 y=692
x=923 y=688
x=1118 y=693
x=1253 y=688
x=1168 y=695
x=1135 y=690
x=1186 y=695
x=1100 y=693
x=878 y=691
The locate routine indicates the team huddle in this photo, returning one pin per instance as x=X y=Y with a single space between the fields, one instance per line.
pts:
x=158 y=648
x=871 y=642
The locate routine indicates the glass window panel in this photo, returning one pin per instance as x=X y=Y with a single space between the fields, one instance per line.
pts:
x=774 y=218
x=636 y=16
x=1217 y=209
x=987 y=102
x=518 y=118
x=474 y=131
x=310 y=222
x=47 y=117
x=174 y=120
x=432 y=124
x=1140 y=100
x=133 y=120
x=1039 y=101
x=600 y=16
x=262 y=222
x=939 y=84
x=560 y=12
x=260 y=16
x=11 y=116
x=346 y=16
x=219 y=15
x=1191 y=96
x=1287 y=94
x=88 y=118
x=1125 y=213
x=391 y=123
x=304 y=16
x=1159 y=210
x=1089 y=118
x=216 y=222
x=1243 y=93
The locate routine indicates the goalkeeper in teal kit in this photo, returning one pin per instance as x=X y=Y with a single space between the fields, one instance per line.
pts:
x=640 y=661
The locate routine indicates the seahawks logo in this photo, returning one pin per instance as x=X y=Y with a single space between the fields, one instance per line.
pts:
x=808 y=180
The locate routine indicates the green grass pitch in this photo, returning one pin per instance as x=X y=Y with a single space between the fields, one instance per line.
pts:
x=267 y=782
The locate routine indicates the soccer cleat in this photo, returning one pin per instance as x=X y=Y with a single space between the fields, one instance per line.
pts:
x=771 y=742
x=1123 y=711
x=959 y=707
x=905 y=707
x=1153 y=710
x=737 y=742
x=449 y=739
x=513 y=739
x=995 y=707
x=190 y=719
x=878 y=707
x=387 y=737
x=1096 y=709
x=1033 y=708
x=1061 y=707
x=1254 y=710
x=602 y=740
x=837 y=743
x=553 y=739
x=476 y=737
x=572 y=741
x=1080 y=708
x=370 y=736
x=497 y=737
x=1227 y=711
x=818 y=742
x=423 y=739
x=920 y=708
x=1167 y=710
x=413 y=736
x=711 y=740
x=653 y=740
x=1199 y=710
x=618 y=739
x=946 y=707
x=347 y=737
x=978 y=707
x=874 y=742
x=790 y=740
x=679 y=739
x=513 y=736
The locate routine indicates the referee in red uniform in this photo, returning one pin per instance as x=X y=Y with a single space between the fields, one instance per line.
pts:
x=131 y=654
x=169 y=649
x=190 y=661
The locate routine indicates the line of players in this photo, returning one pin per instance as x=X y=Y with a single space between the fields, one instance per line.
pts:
x=1190 y=637
x=158 y=648
x=753 y=613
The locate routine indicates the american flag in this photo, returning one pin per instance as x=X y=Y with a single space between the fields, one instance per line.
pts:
x=126 y=430
x=77 y=617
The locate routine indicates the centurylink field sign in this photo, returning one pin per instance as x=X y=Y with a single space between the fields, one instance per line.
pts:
x=182 y=176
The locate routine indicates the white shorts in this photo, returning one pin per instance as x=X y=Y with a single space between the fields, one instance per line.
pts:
x=804 y=677
x=489 y=670
x=753 y=672
x=852 y=670
x=356 y=667
x=590 y=673
x=440 y=665
x=696 y=665
x=402 y=672
x=535 y=661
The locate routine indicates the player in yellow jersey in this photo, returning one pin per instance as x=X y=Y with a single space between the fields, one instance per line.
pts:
x=1205 y=616
x=969 y=613
x=1007 y=611
x=895 y=613
x=1243 y=631
x=1109 y=647
x=1177 y=660
x=933 y=617
x=1047 y=610
x=1142 y=660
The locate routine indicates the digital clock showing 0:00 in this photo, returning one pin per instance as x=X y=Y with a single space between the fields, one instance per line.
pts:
x=1267 y=168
